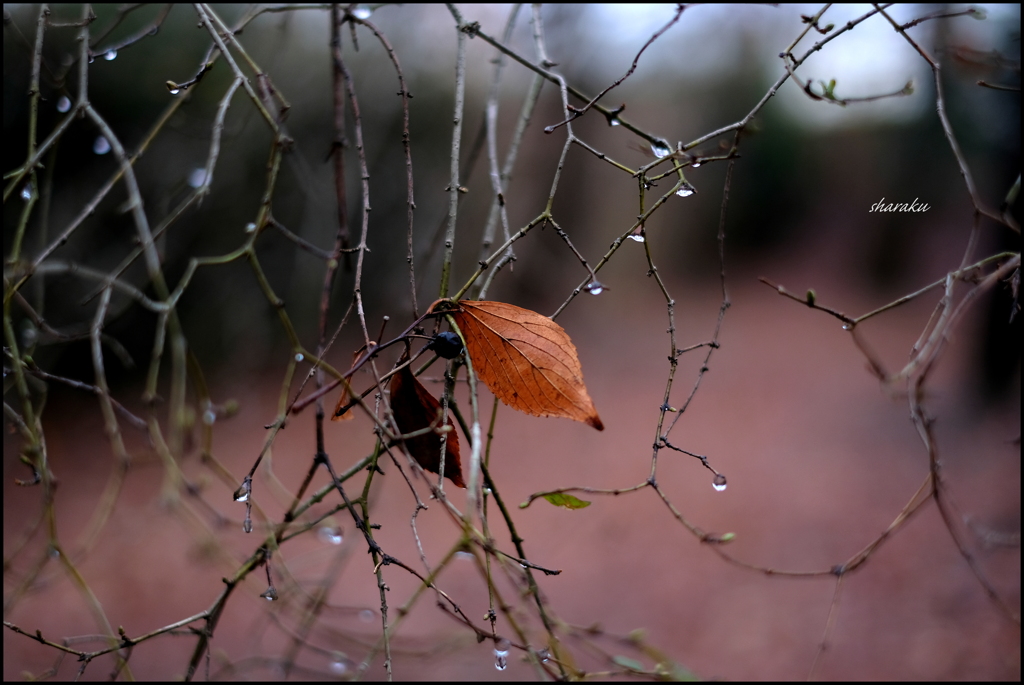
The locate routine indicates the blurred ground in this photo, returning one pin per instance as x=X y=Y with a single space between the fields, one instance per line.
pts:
x=818 y=459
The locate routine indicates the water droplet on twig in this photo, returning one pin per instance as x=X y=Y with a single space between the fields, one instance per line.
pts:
x=101 y=146
x=596 y=288
x=362 y=12
x=501 y=654
x=197 y=177
x=243 y=491
x=64 y=104
x=331 y=536
x=270 y=594
x=686 y=190
x=110 y=55
x=339 y=666
x=661 y=149
x=718 y=483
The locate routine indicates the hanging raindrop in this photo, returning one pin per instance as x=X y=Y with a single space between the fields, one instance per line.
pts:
x=247 y=525
x=209 y=417
x=695 y=165
x=110 y=56
x=661 y=149
x=101 y=146
x=339 y=666
x=501 y=654
x=270 y=595
x=596 y=288
x=367 y=616
x=299 y=356
x=639 y=237
x=362 y=12
x=174 y=91
x=64 y=104
x=243 y=491
x=331 y=536
x=719 y=482
x=614 y=122
x=27 y=191
x=197 y=177
x=686 y=190
x=250 y=227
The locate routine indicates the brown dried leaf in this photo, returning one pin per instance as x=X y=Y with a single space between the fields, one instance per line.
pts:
x=526 y=359
x=415 y=409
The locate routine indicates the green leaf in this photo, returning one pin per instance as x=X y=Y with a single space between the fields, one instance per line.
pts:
x=560 y=499
x=626 y=662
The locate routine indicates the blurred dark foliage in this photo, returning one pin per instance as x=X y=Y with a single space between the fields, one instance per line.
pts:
x=795 y=186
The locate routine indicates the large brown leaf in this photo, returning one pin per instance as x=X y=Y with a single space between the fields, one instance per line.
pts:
x=526 y=359
x=415 y=409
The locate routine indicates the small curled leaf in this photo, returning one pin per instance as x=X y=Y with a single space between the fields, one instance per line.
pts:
x=561 y=499
x=415 y=409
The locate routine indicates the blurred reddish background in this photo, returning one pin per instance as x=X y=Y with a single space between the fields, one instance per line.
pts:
x=820 y=458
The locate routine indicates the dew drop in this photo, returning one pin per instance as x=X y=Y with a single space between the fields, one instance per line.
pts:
x=614 y=122
x=250 y=227
x=686 y=190
x=101 y=146
x=339 y=666
x=209 y=417
x=595 y=288
x=331 y=536
x=270 y=595
x=27 y=191
x=367 y=616
x=695 y=165
x=29 y=334
x=243 y=491
x=544 y=655
x=247 y=525
x=110 y=56
x=501 y=654
x=847 y=326
x=639 y=237
x=661 y=149
x=299 y=357
x=463 y=555
x=64 y=104
x=197 y=177
x=719 y=482
x=362 y=12
x=175 y=91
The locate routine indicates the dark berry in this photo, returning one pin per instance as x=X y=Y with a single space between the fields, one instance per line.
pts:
x=447 y=345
